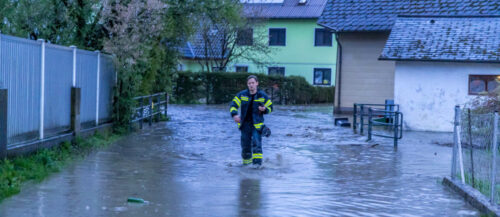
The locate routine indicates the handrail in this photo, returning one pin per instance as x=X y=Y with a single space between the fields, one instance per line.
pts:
x=396 y=123
x=152 y=95
x=362 y=114
x=154 y=106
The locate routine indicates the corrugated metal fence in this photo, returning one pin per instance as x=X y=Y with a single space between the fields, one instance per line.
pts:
x=39 y=77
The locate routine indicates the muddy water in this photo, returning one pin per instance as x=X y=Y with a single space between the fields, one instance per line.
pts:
x=191 y=167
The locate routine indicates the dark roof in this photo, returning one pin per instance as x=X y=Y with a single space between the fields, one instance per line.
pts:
x=195 y=48
x=289 y=9
x=454 y=7
x=464 y=39
x=379 y=15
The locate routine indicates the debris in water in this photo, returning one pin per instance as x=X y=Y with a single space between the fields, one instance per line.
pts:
x=374 y=145
x=289 y=134
x=135 y=200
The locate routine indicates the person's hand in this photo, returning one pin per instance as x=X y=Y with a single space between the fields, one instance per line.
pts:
x=262 y=108
x=236 y=119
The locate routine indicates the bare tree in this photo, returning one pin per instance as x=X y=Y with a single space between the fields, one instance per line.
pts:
x=226 y=36
x=132 y=26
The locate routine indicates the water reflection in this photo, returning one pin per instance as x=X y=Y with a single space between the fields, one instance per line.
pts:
x=249 y=197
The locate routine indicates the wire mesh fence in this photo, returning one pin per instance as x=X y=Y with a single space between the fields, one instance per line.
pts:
x=475 y=151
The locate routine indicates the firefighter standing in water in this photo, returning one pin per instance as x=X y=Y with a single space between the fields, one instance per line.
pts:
x=254 y=103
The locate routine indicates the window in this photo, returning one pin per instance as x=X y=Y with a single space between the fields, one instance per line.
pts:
x=244 y=37
x=482 y=84
x=322 y=37
x=241 y=68
x=218 y=69
x=277 y=37
x=280 y=71
x=322 y=76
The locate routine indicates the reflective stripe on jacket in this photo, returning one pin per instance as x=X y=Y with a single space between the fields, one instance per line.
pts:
x=242 y=100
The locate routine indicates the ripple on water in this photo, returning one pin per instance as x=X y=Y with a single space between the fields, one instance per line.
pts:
x=191 y=166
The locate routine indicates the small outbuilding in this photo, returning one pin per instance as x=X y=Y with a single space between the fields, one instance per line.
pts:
x=442 y=61
x=362 y=28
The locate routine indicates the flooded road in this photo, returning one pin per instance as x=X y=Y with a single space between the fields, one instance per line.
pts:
x=190 y=166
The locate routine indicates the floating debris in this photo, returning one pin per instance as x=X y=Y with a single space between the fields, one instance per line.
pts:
x=135 y=200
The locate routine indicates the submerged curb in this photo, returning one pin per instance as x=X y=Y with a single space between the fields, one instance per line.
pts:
x=473 y=197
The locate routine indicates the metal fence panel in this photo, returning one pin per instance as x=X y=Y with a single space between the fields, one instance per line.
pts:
x=58 y=82
x=20 y=73
x=86 y=79
x=107 y=82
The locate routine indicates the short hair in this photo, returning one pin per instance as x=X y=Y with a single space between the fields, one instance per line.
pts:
x=254 y=77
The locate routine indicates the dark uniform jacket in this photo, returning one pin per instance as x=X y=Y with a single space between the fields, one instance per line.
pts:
x=242 y=99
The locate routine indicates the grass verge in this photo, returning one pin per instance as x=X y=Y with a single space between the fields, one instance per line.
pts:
x=37 y=166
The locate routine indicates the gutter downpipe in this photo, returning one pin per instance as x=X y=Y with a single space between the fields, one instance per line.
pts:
x=337 y=110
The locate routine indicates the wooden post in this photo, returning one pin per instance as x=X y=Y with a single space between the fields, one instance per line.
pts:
x=3 y=122
x=75 y=110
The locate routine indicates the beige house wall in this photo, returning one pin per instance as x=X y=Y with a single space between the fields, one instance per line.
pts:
x=364 y=78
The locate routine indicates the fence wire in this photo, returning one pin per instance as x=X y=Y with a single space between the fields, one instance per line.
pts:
x=476 y=136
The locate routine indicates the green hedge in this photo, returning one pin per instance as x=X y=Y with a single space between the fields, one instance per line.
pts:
x=220 y=87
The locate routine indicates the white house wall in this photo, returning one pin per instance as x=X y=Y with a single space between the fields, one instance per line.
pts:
x=428 y=91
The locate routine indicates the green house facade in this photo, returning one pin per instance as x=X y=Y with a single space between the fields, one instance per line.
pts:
x=298 y=46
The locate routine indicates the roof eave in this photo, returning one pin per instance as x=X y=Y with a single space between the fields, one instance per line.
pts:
x=437 y=60
x=202 y=58
x=351 y=31
x=327 y=27
x=284 y=17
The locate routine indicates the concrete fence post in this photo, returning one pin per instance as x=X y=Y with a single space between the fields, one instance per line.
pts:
x=455 y=140
x=75 y=110
x=42 y=88
x=74 y=64
x=459 y=149
x=3 y=122
x=98 y=88
x=494 y=160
